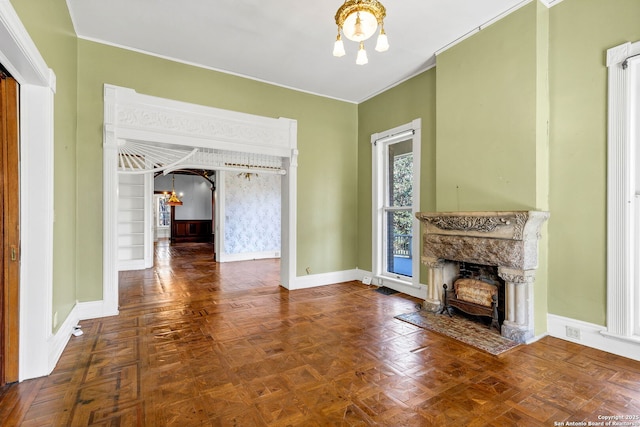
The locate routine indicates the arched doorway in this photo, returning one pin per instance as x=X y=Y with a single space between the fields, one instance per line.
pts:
x=211 y=137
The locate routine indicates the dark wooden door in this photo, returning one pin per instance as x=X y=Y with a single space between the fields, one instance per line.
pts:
x=9 y=229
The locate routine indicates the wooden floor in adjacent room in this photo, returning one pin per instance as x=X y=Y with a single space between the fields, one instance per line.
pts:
x=199 y=343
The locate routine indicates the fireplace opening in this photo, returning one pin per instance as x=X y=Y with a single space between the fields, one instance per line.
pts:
x=475 y=291
x=505 y=239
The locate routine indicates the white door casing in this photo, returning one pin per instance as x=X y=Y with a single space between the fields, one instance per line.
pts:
x=129 y=116
x=20 y=56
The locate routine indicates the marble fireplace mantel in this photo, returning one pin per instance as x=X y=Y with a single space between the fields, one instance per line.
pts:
x=505 y=239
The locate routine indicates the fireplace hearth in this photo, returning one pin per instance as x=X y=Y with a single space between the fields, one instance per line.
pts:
x=506 y=240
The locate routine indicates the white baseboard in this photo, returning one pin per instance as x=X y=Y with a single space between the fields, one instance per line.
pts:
x=313 y=280
x=247 y=256
x=94 y=310
x=58 y=341
x=129 y=265
x=591 y=335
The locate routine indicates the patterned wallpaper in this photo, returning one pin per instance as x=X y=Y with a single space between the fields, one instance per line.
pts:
x=252 y=216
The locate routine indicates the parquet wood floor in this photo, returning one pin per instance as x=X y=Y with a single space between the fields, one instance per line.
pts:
x=204 y=344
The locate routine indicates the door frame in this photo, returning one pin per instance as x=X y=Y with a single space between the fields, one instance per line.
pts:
x=19 y=55
x=9 y=230
x=129 y=115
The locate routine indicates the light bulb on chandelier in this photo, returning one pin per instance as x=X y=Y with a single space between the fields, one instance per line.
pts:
x=362 y=59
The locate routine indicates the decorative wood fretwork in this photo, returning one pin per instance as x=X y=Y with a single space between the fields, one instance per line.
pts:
x=171 y=121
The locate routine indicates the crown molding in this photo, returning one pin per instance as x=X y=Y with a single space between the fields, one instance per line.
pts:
x=550 y=3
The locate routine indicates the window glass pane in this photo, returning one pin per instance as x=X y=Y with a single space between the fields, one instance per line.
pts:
x=399 y=235
x=164 y=213
x=400 y=163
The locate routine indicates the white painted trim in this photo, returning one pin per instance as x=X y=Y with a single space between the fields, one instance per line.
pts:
x=482 y=27
x=324 y=279
x=591 y=335
x=206 y=67
x=110 y=220
x=58 y=341
x=130 y=115
x=36 y=229
x=19 y=55
x=93 y=310
x=132 y=264
x=289 y=217
x=149 y=209
x=248 y=256
x=620 y=191
x=410 y=286
x=221 y=208
x=550 y=3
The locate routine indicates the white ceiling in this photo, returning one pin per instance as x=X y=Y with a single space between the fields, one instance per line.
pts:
x=286 y=42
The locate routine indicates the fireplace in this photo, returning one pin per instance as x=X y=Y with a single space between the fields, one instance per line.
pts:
x=506 y=240
x=476 y=290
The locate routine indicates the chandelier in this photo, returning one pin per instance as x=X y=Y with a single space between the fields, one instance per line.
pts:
x=358 y=20
x=174 y=200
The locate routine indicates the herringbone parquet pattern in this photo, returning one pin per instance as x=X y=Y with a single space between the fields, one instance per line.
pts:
x=204 y=344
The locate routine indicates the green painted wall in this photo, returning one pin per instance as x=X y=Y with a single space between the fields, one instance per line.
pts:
x=327 y=180
x=486 y=111
x=492 y=115
x=581 y=33
x=410 y=100
x=50 y=27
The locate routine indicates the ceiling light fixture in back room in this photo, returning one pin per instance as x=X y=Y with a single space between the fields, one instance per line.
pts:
x=174 y=200
x=358 y=20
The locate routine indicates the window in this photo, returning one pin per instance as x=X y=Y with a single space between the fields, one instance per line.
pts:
x=396 y=172
x=623 y=193
x=163 y=212
x=398 y=208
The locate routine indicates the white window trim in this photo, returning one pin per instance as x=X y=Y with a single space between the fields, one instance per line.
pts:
x=623 y=212
x=410 y=286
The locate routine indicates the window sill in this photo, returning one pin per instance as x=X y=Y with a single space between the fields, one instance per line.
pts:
x=405 y=282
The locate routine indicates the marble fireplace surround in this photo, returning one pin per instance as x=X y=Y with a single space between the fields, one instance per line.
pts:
x=505 y=239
